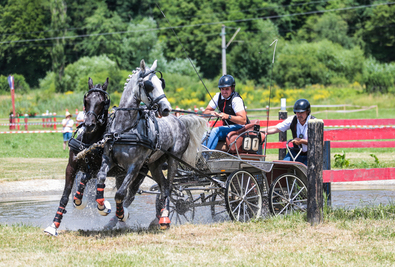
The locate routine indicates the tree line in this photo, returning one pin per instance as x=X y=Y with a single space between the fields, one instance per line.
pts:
x=54 y=43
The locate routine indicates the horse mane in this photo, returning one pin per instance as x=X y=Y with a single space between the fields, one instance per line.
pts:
x=130 y=82
x=196 y=127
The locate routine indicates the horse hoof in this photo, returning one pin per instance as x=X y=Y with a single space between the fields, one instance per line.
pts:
x=125 y=215
x=106 y=210
x=82 y=205
x=111 y=224
x=164 y=223
x=122 y=225
x=154 y=224
x=51 y=230
x=164 y=226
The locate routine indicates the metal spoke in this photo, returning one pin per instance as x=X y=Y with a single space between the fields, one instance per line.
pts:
x=281 y=196
x=297 y=193
x=284 y=208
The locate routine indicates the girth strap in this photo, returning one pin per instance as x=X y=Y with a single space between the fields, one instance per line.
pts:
x=134 y=139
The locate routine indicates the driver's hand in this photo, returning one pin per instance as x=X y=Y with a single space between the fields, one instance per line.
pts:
x=297 y=141
x=216 y=114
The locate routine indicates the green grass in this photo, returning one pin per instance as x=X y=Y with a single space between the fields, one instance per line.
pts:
x=38 y=145
x=344 y=238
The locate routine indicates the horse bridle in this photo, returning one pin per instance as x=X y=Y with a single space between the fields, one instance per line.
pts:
x=101 y=118
x=148 y=86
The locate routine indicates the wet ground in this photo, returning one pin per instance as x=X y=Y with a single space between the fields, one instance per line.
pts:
x=38 y=206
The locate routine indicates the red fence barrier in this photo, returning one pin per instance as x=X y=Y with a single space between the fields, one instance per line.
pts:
x=334 y=123
x=355 y=175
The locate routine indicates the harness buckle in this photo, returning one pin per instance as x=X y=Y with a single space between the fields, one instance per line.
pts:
x=116 y=136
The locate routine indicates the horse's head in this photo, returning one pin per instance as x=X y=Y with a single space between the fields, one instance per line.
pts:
x=96 y=103
x=148 y=88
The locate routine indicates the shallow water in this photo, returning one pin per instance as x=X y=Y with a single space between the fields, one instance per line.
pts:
x=40 y=210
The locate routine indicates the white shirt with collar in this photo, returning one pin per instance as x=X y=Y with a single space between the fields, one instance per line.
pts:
x=237 y=102
x=300 y=129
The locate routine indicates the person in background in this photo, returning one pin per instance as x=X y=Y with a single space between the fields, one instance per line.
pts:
x=80 y=117
x=231 y=111
x=67 y=129
x=298 y=125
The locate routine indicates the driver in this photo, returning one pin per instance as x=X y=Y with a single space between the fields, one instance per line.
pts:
x=231 y=111
x=298 y=125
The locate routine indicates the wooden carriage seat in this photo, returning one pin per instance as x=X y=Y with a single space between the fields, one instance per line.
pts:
x=233 y=142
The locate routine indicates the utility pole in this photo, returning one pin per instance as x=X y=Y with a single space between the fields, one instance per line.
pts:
x=223 y=50
x=224 y=46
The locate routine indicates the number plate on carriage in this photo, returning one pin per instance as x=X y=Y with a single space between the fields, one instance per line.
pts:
x=251 y=143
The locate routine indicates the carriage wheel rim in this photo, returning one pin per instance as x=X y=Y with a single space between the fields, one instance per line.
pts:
x=246 y=204
x=292 y=196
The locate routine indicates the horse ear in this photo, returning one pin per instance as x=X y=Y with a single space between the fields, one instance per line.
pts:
x=90 y=83
x=142 y=65
x=153 y=67
x=105 y=85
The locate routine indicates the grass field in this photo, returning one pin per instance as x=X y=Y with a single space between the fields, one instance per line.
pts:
x=363 y=237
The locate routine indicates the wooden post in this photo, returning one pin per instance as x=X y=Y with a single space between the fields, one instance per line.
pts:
x=282 y=136
x=327 y=166
x=314 y=171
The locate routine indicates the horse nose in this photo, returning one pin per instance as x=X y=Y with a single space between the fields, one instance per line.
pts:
x=89 y=125
x=165 y=112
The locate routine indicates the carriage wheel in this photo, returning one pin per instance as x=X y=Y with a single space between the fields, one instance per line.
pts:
x=287 y=194
x=182 y=209
x=243 y=197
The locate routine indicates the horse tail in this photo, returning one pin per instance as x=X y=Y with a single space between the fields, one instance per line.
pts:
x=196 y=127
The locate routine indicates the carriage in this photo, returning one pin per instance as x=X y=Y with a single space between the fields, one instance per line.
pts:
x=235 y=178
x=236 y=182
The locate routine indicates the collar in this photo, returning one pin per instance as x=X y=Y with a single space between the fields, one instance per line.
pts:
x=231 y=95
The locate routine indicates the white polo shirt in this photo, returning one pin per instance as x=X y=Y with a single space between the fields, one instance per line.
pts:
x=300 y=129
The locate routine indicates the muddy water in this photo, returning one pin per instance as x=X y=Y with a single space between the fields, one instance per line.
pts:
x=40 y=210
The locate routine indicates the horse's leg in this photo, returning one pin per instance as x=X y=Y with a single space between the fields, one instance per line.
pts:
x=130 y=179
x=163 y=205
x=80 y=202
x=158 y=176
x=103 y=206
x=129 y=197
x=69 y=181
x=114 y=220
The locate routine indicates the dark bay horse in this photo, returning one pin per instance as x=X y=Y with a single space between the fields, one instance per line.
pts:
x=137 y=141
x=96 y=102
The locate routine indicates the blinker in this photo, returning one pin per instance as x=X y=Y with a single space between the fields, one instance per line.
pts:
x=149 y=86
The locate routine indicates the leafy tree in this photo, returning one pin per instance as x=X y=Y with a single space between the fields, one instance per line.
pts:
x=20 y=85
x=131 y=9
x=252 y=58
x=58 y=11
x=77 y=12
x=138 y=43
x=301 y=64
x=104 y=27
x=22 y=20
x=379 y=33
x=328 y=26
x=76 y=75
x=378 y=77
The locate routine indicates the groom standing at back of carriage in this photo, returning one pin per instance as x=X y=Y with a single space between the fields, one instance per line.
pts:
x=231 y=111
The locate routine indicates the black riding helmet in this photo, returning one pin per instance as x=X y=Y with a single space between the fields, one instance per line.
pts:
x=226 y=81
x=302 y=105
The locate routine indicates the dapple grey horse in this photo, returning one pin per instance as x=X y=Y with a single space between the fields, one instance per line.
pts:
x=137 y=141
